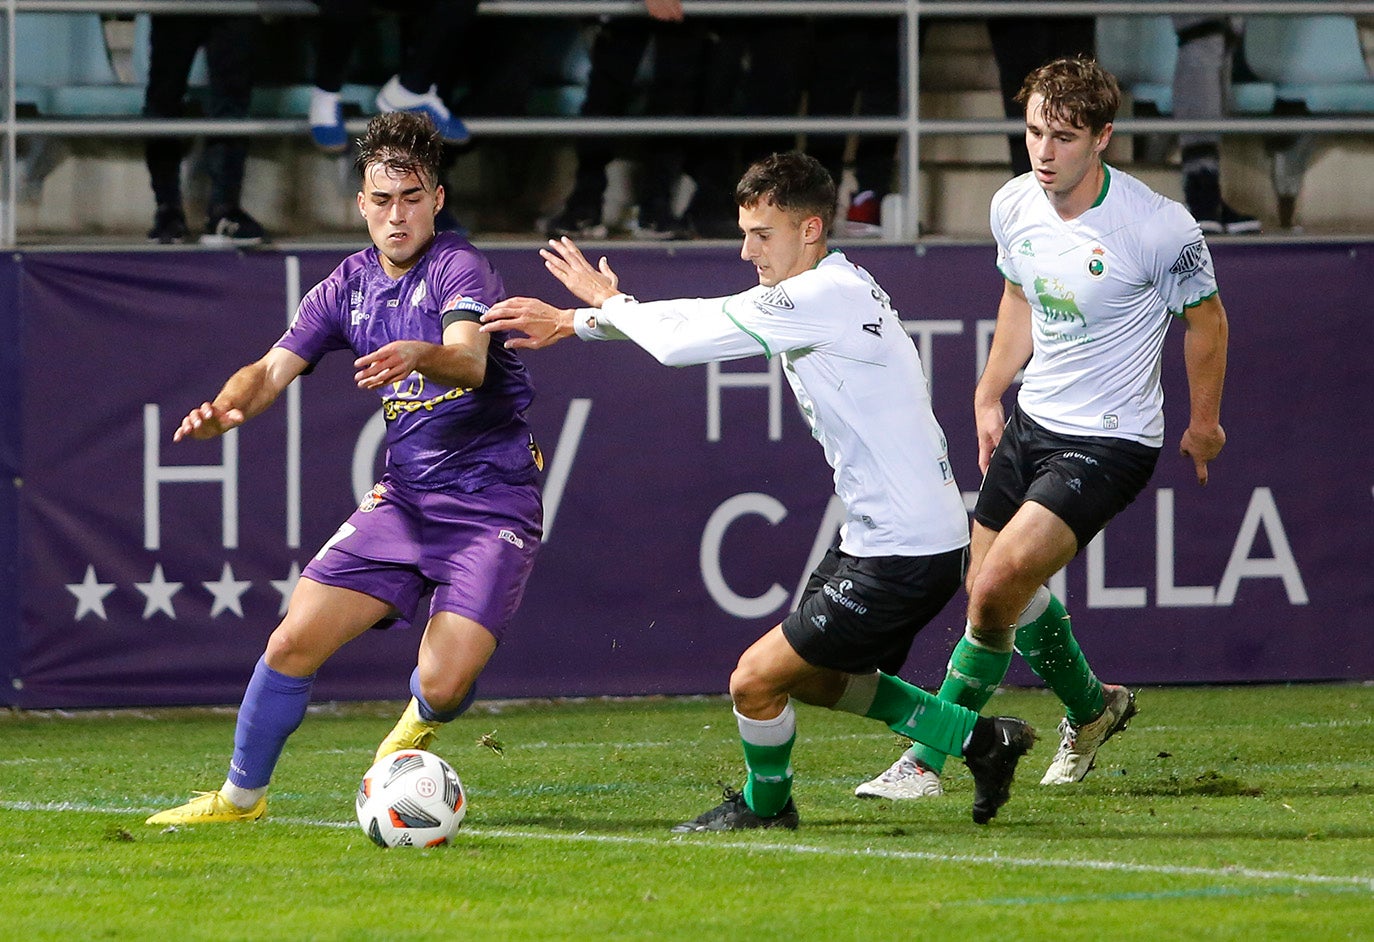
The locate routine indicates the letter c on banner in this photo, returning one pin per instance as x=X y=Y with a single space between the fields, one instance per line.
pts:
x=365 y=455
x=711 y=538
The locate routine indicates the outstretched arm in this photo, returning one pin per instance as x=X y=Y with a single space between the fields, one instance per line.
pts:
x=1204 y=358
x=1011 y=348
x=542 y=324
x=460 y=361
x=247 y=393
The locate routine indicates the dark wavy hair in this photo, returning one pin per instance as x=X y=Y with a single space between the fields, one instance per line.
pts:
x=402 y=142
x=1077 y=91
x=794 y=182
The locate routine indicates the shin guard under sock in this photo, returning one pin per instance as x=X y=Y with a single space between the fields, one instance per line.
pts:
x=273 y=707
x=1049 y=647
x=768 y=756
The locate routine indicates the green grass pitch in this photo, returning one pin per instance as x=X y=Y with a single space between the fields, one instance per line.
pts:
x=1222 y=813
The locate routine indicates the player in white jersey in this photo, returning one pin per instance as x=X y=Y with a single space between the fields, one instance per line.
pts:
x=1096 y=266
x=903 y=545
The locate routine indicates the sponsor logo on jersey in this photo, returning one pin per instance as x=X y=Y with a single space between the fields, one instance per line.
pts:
x=1111 y=421
x=776 y=297
x=1025 y=248
x=1189 y=260
x=418 y=294
x=510 y=537
x=356 y=314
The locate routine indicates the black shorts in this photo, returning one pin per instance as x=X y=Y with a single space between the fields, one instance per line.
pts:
x=861 y=613
x=1084 y=480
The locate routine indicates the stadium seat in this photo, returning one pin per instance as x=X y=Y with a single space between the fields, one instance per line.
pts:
x=62 y=66
x=1141 y=51
x=1318 y=66
x=1316 y=60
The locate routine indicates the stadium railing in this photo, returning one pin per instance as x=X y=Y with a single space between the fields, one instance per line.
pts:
x=908 y=126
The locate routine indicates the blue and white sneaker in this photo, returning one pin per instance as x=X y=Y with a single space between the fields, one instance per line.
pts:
x=326 y=122
x=396 y=97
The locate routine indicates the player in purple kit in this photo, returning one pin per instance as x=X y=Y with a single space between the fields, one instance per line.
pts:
x=457 y=512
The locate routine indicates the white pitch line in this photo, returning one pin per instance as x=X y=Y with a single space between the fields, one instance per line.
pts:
x=709 y=841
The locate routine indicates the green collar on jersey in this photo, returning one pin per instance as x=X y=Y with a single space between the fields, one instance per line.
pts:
x=1106 y=185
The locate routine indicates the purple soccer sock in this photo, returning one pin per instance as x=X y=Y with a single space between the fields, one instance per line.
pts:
x=431 y=715
x=273 y=706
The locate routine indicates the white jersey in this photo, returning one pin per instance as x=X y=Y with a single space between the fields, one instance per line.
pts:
x=1102 y=289
x=856 y=376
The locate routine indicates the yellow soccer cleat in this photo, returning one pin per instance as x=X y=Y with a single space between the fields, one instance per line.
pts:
x=410 y=732
x=209 y=808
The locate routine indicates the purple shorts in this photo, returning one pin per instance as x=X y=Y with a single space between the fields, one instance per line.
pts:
x=473 y=551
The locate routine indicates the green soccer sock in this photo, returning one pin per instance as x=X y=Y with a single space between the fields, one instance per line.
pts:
x=921 y=716
x=1049 y=648
x=768 y=757
x=971 y=680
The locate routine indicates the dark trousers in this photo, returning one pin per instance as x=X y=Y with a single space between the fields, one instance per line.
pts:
x=429 y=31
x=673 y=91
x=870 y=85
x=229 y=43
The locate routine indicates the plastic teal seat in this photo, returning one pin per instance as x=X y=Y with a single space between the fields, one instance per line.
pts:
x=1315 y=60
x=62 y=66
x=1141 y=52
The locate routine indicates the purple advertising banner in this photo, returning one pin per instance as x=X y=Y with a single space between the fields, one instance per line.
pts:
x=684 y=507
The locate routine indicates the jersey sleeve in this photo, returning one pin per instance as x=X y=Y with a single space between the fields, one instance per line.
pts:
x=315 y=329
x=1180 y=264
x=466 y=284
x=1005 y=263
x=681 y=332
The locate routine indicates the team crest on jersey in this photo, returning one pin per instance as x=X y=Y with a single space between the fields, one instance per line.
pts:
x=373 y=498
x=1097 y=264
x=418 y=294
x=776 y=297
x=1189 y=260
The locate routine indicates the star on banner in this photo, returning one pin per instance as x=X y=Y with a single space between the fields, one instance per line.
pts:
x=90 y=595
x=287 y=586
x=227 y=592
x=158 y=591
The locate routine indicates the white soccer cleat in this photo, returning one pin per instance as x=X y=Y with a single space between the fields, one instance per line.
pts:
x=904 y=779
x=1078 y=748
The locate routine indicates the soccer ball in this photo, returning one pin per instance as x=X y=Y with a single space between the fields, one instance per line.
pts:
x=411 y=798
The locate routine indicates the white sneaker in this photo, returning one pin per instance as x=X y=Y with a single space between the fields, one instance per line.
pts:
x=905 y=779
x=396 y=97
x=1078 y=748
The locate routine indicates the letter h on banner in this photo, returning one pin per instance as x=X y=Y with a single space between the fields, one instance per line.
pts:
x=718 y=379
x=155 y=474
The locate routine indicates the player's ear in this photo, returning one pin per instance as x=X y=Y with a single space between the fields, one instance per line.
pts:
x=438 y=198
x=1104 y=138
x=361 y=210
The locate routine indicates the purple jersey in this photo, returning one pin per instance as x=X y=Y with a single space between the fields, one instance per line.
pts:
x=438 y=437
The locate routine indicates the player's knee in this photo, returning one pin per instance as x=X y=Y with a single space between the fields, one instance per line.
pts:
x=287 y=653
x=994 y=601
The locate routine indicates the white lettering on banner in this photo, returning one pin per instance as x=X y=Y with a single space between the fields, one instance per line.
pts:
x=293 y=416
x=561 y=461
x=924 y=333
x=825 y=535
x=718 y=379
x=713 y=536
x=155 y=474
x=365 y=452
x=1262 y=512
x=1099 y=594
x=1168 y=595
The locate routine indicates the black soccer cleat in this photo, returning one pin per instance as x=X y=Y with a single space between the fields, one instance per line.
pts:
x=994 y=764
x=734 y=814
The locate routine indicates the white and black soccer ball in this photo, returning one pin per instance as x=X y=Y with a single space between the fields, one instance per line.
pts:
x=411 y=798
